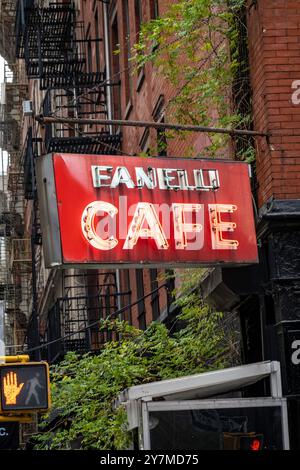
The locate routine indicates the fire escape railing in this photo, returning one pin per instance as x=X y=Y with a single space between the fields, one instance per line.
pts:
x=53 y=45
x=78 y=139
x=45 y=38
x=73 y=321
x=55 y=48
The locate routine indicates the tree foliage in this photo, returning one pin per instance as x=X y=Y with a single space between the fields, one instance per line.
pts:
x=84 y=388
x=194 y=45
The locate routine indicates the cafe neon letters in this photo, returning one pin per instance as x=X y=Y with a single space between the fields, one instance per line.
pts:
x=145 y=212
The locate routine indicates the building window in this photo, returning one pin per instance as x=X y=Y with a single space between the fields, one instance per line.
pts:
x=140 y=293
x=170 y=281
x=154 y=11
x=115 y=68
x=108 y=310
x=145 y=142
x=90 y=57
x=154 y=295
x=126 y=29
x=127 y=288
x=138 y=17
x=97 y=39
x=162 y=140
x=159 y=116
x=138 y=23
x=112 y=7
x=89 y=49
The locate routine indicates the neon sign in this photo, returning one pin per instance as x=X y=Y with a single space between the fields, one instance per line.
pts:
x=145 y=211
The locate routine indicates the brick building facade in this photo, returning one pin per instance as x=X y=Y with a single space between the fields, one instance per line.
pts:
x=265 y=295
x=84 y=79
x=275 y=54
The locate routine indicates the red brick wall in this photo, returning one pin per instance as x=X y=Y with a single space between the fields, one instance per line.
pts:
x=142 y=106
x=274 y=47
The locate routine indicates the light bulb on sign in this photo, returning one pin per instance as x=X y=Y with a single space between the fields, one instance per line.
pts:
x=181 y=227
x=88 y=225
x=218 y=226
x=145 y=212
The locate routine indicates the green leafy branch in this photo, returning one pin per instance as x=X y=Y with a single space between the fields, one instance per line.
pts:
x=194 y=45
x=84 y=388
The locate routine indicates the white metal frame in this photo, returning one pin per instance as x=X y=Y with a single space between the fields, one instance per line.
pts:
x=208 y=383
x=182 y=405
x=192 y=392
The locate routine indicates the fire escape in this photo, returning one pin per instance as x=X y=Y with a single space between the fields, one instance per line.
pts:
x=7 y=23
x=89 y=297
x=15 y=258
x=53 y=44
x=56 y=52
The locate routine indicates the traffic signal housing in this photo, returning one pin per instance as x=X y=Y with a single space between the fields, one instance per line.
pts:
x=243 y=441
x=24 y=386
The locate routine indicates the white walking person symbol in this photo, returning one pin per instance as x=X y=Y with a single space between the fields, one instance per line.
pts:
x=33 y=384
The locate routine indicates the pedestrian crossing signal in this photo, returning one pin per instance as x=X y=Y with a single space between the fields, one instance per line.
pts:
x=243 y=441
x=25 y=387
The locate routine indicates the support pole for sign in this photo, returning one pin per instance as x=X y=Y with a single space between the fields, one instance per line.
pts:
x=18 y=418
x=2 y=333
x=13 y=359
x=153 y=124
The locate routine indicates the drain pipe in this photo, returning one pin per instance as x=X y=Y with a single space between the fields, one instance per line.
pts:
x=109 y=111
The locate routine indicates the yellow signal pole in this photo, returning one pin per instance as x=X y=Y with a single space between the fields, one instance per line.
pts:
x=19 y=418
x=20 y=358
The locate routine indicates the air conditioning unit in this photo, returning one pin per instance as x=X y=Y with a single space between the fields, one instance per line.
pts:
x=27 y=108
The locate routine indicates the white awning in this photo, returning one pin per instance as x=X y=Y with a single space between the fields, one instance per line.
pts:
x=207 y=384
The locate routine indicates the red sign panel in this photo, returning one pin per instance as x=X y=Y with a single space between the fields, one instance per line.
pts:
x=135 y=210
